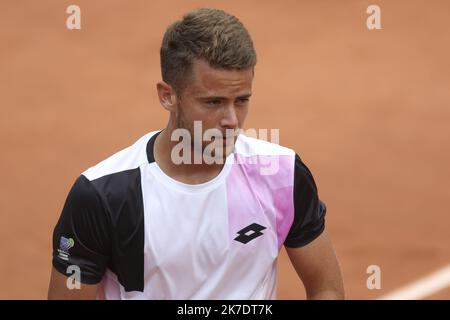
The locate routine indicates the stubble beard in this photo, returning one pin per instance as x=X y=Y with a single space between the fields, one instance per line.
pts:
x=223 y=151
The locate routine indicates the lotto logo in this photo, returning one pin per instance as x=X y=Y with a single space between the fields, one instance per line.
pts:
x=249 y=233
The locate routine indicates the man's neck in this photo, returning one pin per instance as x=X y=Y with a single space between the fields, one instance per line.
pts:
x=187 y=173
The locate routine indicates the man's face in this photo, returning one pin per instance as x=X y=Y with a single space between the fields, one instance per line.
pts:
x=219 y=98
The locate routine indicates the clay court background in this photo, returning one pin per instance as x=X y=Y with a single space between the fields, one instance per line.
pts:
x=368 y=111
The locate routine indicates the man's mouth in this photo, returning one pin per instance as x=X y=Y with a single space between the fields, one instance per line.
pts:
x=224 y=139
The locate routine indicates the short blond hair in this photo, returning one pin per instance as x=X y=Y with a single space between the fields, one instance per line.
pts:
x=209 y=34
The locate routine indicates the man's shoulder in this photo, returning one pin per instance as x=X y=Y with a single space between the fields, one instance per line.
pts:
x=129 y=158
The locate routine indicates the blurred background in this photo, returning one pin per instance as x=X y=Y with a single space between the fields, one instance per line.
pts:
x=367 y=110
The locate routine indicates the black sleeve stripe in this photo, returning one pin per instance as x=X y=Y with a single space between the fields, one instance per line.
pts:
x=81 y=236
x=102 y=226
x=309 y=210
x=123 y=195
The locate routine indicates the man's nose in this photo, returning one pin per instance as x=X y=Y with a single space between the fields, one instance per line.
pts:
x=229 y=119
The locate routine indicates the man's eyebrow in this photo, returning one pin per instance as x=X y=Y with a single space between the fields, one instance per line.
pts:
x=244 y=96
x=212 y=98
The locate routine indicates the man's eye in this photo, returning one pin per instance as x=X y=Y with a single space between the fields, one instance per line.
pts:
x=243 y=100
x=213 y=102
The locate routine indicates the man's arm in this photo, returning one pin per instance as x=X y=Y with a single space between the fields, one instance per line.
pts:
x=318 y=268
x=58 y=289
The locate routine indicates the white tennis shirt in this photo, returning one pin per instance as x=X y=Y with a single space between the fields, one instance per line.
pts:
x=140 y=234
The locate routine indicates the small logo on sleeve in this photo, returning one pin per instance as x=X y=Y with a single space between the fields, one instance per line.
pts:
x=64 y=246
x=249 y=233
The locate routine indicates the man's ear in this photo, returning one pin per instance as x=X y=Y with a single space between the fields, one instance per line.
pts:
x=167 y=96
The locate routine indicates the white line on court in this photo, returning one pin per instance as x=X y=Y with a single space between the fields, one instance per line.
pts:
x=422 y=288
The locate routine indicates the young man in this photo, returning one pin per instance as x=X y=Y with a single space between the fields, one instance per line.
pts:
x=144 y=225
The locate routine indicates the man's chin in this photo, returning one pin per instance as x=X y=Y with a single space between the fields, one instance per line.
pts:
x=219 y=153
